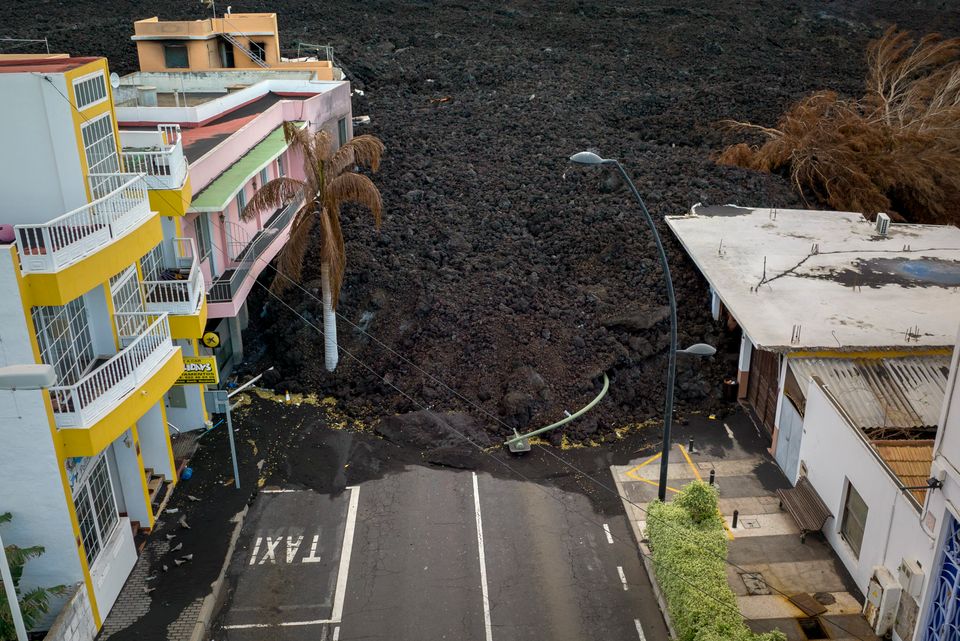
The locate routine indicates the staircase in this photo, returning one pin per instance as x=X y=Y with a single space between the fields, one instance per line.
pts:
x=237 y=44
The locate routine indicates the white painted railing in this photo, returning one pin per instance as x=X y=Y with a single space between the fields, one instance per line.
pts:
x=164 y=164
x=180 y=293
x=121 y=204
x=148 y=343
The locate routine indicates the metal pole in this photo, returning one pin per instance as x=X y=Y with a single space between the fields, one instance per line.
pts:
x=11 y=591
x=672 y=358
x=233 y=445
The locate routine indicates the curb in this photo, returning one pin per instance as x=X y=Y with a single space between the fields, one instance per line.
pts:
x=213 y=601
x=644 y=553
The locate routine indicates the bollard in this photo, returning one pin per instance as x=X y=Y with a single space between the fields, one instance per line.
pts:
x=713 y=475
x=736 y=515
x=690 y=445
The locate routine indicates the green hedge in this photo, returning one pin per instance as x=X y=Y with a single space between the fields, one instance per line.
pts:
x=688 y=542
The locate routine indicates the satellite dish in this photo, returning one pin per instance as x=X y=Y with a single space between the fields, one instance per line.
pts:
x=114 y=80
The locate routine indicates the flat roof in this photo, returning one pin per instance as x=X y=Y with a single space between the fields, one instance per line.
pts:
x=217 y=195
x=42 y=64
x=800 y=280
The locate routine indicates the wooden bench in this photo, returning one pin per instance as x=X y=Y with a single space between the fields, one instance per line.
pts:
x=805 y=506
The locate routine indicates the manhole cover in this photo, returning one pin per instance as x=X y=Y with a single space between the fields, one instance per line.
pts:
x=754 y=583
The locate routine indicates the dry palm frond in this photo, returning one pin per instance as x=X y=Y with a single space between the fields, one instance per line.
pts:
x=364 y=151
x=272 y=195
x=327 y=184
x=896 y=149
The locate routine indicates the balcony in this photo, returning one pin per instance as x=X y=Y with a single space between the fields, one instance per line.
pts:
x=178 y=291
x=146 y=340
x=158 y=155
x=233 y=284
x=68 y=239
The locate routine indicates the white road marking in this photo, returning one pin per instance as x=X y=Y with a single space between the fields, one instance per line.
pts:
x=286 y=624
x=292 y=547
x=635 y=621
x=729 y=431
x=313 y=558
x=483 y=562
x=606 y=530
x=623 y=578
x=347 y=549
x=280 y=491
x=271 y=550
x=256 y=551
x=336 y=634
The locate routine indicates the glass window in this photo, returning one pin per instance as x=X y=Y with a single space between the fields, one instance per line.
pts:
x=89 y=90
x=203 y=237
x=100 y=146
x=281 y=169
x=264 y=176
x=126 y=297
x=96 y=508
x=342 y=130
x=175 y=56
x=854 y=519
x=152 y=263
x=65 y=340
x=259 y=50
x=241 y=201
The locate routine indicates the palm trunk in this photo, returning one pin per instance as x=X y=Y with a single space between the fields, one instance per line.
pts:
x=330 y=352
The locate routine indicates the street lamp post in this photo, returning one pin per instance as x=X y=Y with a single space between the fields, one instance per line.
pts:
x=590 y=159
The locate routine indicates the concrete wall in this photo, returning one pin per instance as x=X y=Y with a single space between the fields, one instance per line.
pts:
x=42 y=177
x=153 y=442
x=14 y=333
x=190 y=417
x=835 y=454
x=75 y=621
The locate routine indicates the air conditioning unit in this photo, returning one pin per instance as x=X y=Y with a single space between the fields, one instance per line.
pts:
x=911 y=577
x=883 y=224
x=883 y=598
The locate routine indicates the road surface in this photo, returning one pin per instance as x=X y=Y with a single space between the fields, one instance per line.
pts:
x=403 y=558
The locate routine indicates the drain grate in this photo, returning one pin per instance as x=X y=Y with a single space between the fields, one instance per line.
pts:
x=754 y=583
x=812 y=628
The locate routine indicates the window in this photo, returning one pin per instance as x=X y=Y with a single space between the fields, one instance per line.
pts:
x=96 y=508
x=281 y=170
x=177 y=397
x=175 y=56
x=259 y=50
x=65 y=340
x=125 y=294
x=241 y=201
x=264 y=176
x=202 y=236
x=342 y=131
x=854 y=519
x=100 y=147
x=152 y=263
x=89 y=90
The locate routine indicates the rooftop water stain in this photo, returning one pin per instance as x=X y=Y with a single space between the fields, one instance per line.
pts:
x=908 y=272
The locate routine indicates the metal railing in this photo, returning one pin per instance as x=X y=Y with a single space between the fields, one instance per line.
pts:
x=165 y=165
x=147 y=343
x=180 y=293
x=121 y=204
x=225 y=288
x=257 y=60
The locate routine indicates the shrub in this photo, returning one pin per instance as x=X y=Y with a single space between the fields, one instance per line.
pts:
x=689 y=546
x=896 y=149
x=34 y=603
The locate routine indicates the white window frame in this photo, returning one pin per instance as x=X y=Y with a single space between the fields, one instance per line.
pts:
x=846 y=513
x=96 y=508
x=101 y=165
x=151 y=264
x=127 y=298
x=65 y=340
x=81 y=85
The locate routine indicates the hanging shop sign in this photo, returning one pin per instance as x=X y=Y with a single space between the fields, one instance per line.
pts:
x=199 y=369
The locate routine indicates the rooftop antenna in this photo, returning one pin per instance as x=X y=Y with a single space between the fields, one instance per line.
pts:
x=210 y=4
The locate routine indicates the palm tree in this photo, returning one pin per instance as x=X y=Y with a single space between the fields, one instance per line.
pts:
x=34 y=603
x=329 y=183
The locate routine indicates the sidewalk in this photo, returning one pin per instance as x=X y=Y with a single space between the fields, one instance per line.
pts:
x=766 y=541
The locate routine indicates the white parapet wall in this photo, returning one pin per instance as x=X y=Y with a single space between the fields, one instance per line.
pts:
x=75 y=621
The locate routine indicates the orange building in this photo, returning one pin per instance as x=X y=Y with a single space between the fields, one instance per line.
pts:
x=247 y=41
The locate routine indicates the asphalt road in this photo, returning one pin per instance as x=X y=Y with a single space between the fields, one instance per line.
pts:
x=405 y=562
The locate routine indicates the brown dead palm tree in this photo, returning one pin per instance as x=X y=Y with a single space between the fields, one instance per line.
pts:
x=329 y=182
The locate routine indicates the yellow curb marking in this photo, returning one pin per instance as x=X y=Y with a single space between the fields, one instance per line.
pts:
x=632 y=471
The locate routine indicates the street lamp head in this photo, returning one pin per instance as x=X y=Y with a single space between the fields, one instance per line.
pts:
x=699 y=349
x=587 y=158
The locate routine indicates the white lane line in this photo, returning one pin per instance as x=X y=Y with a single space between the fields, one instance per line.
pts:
x=483 y=562
x=339 y=595
x=623 y=577
x=336 y=633
x=286 y=624
x=606 y=530
x=635 y=621
x=279 y=491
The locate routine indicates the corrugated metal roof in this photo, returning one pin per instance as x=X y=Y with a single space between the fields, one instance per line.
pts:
x=909 y=460
x=882 y=392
